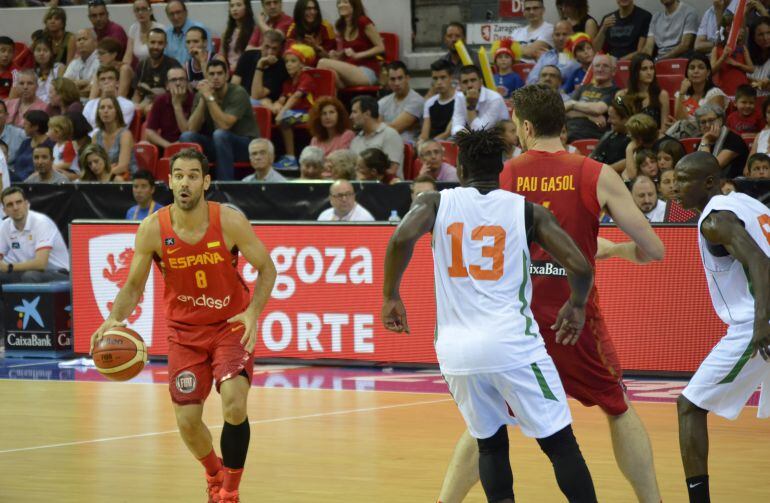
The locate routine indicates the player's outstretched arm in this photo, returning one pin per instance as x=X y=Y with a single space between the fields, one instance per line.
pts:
x=554 y=240
x=724 y=228
x=417 y=222
x=144 y=248
x=615 y=197
x=238 y=229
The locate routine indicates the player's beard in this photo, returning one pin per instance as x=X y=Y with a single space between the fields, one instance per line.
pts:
x=190 y=202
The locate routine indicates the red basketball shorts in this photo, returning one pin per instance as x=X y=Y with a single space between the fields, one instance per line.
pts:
x=200 y=355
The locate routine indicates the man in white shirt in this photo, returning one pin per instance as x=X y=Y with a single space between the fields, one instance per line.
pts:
x=672 y=31
x=708 y=31
x=344 y=208
x=402 y=109
x=645 y=196
x=107 y=77
x=373 y=133
x=32 y=249
x=476 y=106
x=82 y=69
x=537 y=36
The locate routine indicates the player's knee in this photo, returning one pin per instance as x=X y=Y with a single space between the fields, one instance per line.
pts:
x=685 y=407
x=496 y=443
x=188 y=424
x=560 y=444
x=234 y=411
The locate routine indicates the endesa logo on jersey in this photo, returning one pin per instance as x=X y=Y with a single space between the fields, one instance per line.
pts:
x=205 y=301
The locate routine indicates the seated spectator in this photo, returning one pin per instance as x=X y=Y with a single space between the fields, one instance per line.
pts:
x=708 y=31
x=65 y=155
x=222 y=121
x=150 y=79
x=431 y=154
x=438 y=110
x=344 y=208
x=576 y=13
x=537 y=36
x=272 y=17
x=294 y=104
x=311 y=163
x=611 y=148
x=373 y=133
x=759 y=50
x=697 y=89
x=423 y=183
x=107 y=78
x=309 y=27
x=340 y=165
x=730 y=69
x=108 y=51
x=82 y=69
x=372 y=166
x=357 y=63
x=265 y=82
x=643 y=94
x=647 y=162
x=329 y=125
x=747 y=118
x=623 y=33
x=550 y=76
x=402 y=109
x=103 y=27
x=5 y=173
x=507 y=129
x=667 y=185
x=558 y=56
x=42 y=161
x=170 y=112
x=505 y=78
x=672 y=30
x=26 y=84
x=579 y=45
x=755 y=11
x=261 y=157
x=114 y=136
x=7 y=49
x=81 y=130
x=758 y=166
x=143 y=190
x=453 y=33
x=587 y=110
x=95 y=165
x=199 y=55
x=571 y=149
x=176 y=42
x=62 y=41
x=45 y=70
x=644 y=134
x=137 y=45
x=63 y=97
x=762 y=141
x=240 y=26
x=476 y=106
x=31 y=245
x=668 y=154
x=11 y=135
x=35 y=125
x=645 y=195
x=729 y=148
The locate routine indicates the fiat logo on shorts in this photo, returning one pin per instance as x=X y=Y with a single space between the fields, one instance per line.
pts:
x=185 y=382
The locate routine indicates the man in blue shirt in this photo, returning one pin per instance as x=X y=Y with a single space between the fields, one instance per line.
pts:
x=12 y=136
x=176 y=12
x=143 y=189
x=557 y=56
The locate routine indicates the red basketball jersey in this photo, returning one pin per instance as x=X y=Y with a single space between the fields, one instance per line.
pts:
x=565 y=184
x=203 y=286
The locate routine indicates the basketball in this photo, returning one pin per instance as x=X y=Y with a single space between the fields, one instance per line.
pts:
x=120 y=354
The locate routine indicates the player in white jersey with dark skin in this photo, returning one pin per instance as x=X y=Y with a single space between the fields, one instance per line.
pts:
x=488 y=343
x=734 y=242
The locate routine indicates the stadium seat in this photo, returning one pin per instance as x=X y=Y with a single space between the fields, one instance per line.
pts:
x=408 y=165
x=146 y=156
x=325 y=81
x=176 y=147
x=670 y=83
x=162 y=169
x=690 y=144
x=450 y=152
x=749 y=138
x=622 y=73
x=677 y=66
x=586 y=146
x=217 y=43
x=265 y=121
x=136 y=126
x=392 y=47
x=523 y=69
x=22 y=56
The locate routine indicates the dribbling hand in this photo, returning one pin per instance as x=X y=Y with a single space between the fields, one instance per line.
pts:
x=569 y=323
x=249 y=323
x=108 y=324
x=394 y=316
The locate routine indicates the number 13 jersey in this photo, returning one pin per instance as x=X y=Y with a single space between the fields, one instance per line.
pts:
x=483 y=289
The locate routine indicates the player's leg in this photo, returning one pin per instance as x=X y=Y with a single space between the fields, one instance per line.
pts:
x=236 y=432
x=463 y=471
x=694 y=448
x=569 y=466
x=495 y=467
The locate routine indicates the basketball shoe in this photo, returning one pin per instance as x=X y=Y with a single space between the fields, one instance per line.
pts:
x=228 y=497
x=215 y=483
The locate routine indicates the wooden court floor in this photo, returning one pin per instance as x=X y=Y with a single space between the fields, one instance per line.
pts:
x=65 y=441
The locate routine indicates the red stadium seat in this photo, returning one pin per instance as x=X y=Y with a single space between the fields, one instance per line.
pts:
x=146 y=156
x=586 y=146
x=408 y=165
x=162 y=169
x=677 y=66
x=523 y=69
x=136 y=126
x=749 y=138
x=217 y=43
x=265 y=121
x=450 y=152
x=622 y=73
x=22 y=56
x=392 y=46
x=670 y=83
x=176 y=147
x=690 y=144
x=325 y=81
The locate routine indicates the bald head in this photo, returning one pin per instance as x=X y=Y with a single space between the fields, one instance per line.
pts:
x=561 y=33
x=698 y=179
x=699 y=165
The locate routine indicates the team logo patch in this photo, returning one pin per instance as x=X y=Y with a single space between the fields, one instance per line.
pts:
x=169 y=241
x=186 y=382
x=15 y=245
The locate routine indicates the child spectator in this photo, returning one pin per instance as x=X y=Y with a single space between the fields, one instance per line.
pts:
x=505 y=78
x=747 y=118
x=730 y=69
x=65 y=156
x=668 y=154
x=7 y=67
x=296 y=99
x=647 y=161
x=759 y=166
x=579 y=45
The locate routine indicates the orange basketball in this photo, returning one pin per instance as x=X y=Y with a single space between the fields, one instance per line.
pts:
x=120 y=354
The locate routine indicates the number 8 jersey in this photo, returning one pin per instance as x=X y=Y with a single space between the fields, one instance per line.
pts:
x=483 y=289
x=203 y=286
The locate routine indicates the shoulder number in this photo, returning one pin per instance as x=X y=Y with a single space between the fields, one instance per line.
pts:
x=495 y=252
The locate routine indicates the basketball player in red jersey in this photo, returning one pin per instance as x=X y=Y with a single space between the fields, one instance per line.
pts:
x=576 y=189
x=212 y=323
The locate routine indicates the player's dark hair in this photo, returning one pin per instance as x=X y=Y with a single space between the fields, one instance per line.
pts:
x=144 y=175
x=13 y=189
x=190 y=154
x=480 y=152
x=542 y=107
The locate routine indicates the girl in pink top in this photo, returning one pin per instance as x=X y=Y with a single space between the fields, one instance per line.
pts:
x=240 y=25
x=330 y=125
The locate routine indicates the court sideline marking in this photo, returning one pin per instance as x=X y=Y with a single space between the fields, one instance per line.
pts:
x=260 y=421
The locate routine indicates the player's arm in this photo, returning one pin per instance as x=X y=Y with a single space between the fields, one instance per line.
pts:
x=724 y=228
x=238 y=230
x=554 y=240
x=125 y=303
x=417 y=222
x=615 y=197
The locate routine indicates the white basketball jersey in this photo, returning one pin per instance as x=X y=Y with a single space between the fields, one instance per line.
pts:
x=727 y=280
x=483 y=289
